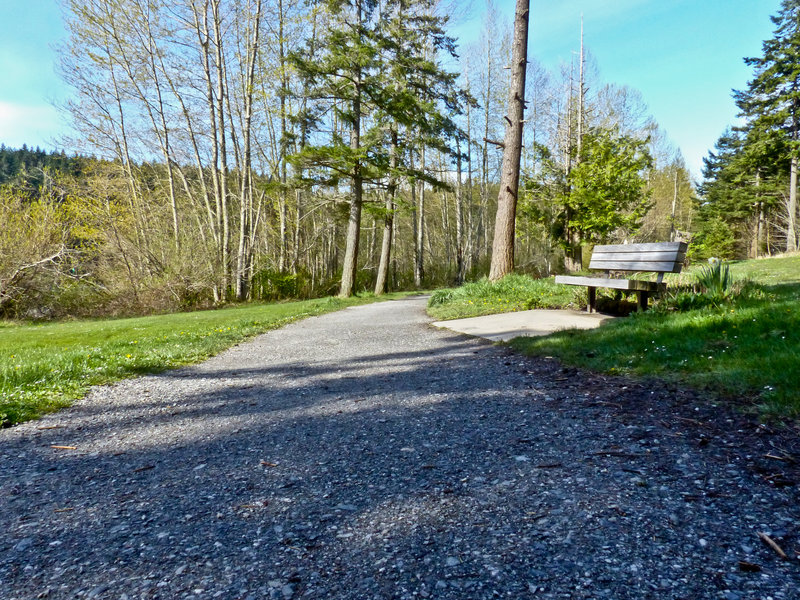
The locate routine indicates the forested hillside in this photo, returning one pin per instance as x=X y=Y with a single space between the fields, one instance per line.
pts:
x=31 y=170
x=265 y=149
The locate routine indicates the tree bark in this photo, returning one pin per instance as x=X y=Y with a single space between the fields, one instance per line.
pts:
x=419 y=243
x=381 y=281
x=350 y=265
x=503 y=246
x=791 y=228
x=459 y=218
x=246 y=229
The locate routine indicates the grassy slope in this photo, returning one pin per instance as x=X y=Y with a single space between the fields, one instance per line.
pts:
x=749 y=348
x=44 y=367
x=512 y=293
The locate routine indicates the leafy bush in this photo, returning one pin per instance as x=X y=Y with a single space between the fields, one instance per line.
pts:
x=441 y=297
x=715 y=238
x=715 y=280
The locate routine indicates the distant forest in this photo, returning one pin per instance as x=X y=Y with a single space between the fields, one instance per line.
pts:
x=30 y=170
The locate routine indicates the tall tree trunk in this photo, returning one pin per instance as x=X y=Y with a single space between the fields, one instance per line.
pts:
x=760 y=217
x=381 y=281
x=674 y=206
x=350 y=266
x=580 y=97
x=503 y=246
x=205 y=41
x=246 y=196
x=791 y=227
x=483 y=233
x=283 y=94
x=221 y=92
x=459 y=218
x=419 y=245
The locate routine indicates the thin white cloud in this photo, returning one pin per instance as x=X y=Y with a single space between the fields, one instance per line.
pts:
x=34 y=125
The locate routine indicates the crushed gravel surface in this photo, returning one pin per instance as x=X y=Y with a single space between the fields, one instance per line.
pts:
x=364 y=454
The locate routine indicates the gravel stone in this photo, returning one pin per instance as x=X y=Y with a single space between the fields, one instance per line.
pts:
x=365 y=454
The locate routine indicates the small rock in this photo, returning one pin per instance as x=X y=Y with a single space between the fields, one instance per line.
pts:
x=24 y=544
x=98 y=591
x=452 y=561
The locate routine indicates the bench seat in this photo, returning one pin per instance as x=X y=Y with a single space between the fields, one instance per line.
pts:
x=611 y=282
x=660 y=258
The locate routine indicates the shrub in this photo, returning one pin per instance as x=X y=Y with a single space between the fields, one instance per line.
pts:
x=715 y=279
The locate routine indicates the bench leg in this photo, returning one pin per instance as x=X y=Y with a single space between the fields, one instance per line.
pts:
x=592 y=300
x=643 y=296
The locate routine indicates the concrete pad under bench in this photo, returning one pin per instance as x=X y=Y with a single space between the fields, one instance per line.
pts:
x=505 y=326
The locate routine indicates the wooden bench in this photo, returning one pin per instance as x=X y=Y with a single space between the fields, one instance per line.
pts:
x=665 y=257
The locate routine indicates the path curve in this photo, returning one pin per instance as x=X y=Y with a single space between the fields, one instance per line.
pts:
x=365 y=454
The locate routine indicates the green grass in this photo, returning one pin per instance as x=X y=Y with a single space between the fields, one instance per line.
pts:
x=746 y=348
x=45 y=367
x=769 y=271
x=512 y=293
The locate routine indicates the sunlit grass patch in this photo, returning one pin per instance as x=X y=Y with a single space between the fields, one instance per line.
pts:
x=512 y=293
x=748 y=349
x=44 y=367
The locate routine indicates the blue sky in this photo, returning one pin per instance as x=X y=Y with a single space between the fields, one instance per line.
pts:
x=684 y=56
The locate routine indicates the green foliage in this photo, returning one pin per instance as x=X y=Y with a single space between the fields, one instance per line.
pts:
x=512 y=293
x=376 y=74
x=45 y=367
x=715 y=238
x=715 y=279
x=771 y=99
x=32 y=171
x=271 y=284
x=747 y=173
x=604 y=193
x=34 y=258
x=608 y=188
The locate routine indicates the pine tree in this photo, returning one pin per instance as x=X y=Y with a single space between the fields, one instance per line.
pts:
x=744 y=180
x=372 y=71
x=771 y=102
x=607 y=188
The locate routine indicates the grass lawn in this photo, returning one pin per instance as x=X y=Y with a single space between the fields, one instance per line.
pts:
x=43 y=367
x=512 y=293
x=746 y=348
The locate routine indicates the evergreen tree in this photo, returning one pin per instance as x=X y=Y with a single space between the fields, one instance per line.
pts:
x=744 y=183
x=607 y=187
x=771 y=102
x=372 y=70
x=604 y=195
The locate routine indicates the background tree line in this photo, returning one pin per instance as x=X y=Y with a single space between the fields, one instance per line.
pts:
x=748 y=204
x=260 y=149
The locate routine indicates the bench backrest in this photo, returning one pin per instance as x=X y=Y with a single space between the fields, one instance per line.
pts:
x=664 y=257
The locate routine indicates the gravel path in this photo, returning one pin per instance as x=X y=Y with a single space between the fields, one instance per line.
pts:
x=364 y=454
